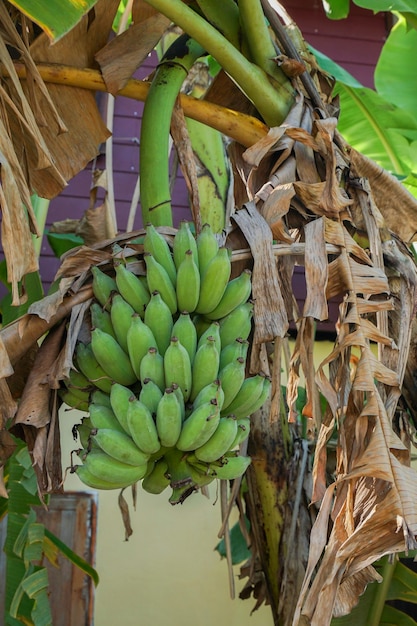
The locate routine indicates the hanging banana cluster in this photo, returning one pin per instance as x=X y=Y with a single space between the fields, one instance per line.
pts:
x=163 y=378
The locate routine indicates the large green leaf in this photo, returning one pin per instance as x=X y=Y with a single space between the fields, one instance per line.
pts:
x=395 y=71
x=55 y=17
x=336 y=9
x=388 y=5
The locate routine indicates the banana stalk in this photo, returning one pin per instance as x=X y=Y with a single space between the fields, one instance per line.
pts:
x=156 y=121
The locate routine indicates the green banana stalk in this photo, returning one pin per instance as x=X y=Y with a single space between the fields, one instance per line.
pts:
x=237 y=292
x=199 y=426
x=188 y=283
x=220 y=441
x=133 y=290
x=89 y=366
x=112 y=358
x=179 y=474
x=109 y=469
x=157 y=480
x=139 y=339
x=237 y=324
x=121 y=313
x=177 y=367
x=103 y=286
x=119 y=401
x=150 y=395
x=207 y=247
x=100 y=318
x=152 y=366
x=158 y=280
x=119 y=446
x=205 y=366
x=158 y=318
x=231 y=379
x=158 y=247
x=185 y=331
x=142 y=427
x=169 y=418
x=214 y=281
x=184 y=240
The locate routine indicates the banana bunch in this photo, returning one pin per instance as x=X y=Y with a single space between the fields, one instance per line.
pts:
x=162 y=375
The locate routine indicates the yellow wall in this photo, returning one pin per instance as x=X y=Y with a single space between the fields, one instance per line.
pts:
x=168 y=572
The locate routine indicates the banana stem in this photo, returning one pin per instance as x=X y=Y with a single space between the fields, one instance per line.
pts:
x=375 y=613
x=40 y=208
x=155 y=130
x=224 y=16
x=273 y=104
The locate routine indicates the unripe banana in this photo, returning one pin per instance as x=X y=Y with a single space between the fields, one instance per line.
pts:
x=156 y=244
x=220 y=441
x=100 y=318
x=238 y=348
x=236 y=293
x=207 y=393
x=169 y=418
x=260 y=401
x=234 y=467
x=158 y=280
x=104 y=417
x=77 y=380
x=139 y=339
x=180 y=397
x=72 y=400
x=119 y=446
x=213 y=330
x=231 y=378
x=188 y=284
x=205 y=367
x=83 y=431
x=243 y=430
x=103 y=286
x=119 y=400
x=200 y=478
x=133 y=290
x=247 y=396
x=207 y=247
x=121 y=317
x=99 y=397
x=92 y=481
x=237 y=324
x=214 y=281
x=186 y=332
x=88 y=364
x=157 y=481
x=142 y=427
x=184 y=240
x=112 y=358
x=158 y=318
x=109 y=469
x=152 y=366
x=150 y=395
x=199 y=426
x=177 y=367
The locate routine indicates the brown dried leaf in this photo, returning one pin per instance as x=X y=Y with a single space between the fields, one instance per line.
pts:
x=276 y=205
x=316 y=268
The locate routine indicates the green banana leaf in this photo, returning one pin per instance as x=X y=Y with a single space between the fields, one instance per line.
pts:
x=338 y=9
x=55 y=17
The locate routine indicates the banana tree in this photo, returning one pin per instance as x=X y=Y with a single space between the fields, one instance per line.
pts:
x=299 y=195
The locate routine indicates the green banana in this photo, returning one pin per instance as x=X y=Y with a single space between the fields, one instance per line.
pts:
x=103 y=286
x=207 y=393
x=234 y=467
x=100 y=318
x=207 y=247
x=142 y=427
x=260 y=401
x=99 y=397
x=188 y=283
x=157 y=480
x=205 y=366
x=119 y=446
x=139 y=339
x=199 y=426
x=111 y=470
x=186 y=332
x=177 y=367
x=158 y=280
x=201 y=324
x=112 y=358
x=237 y=324
x=119 y=401
x=213 y=330
x=121 y=313
x=133 y=290
x=75 y=402
x=236 y=293
x=231 y=378
x=83 y=431
x=156 y=244
x=92 y=481
x=77 y=380
x=180 y=397
x=150 y=395
x=243 y=430
x=152 y=366
x=88 y=364
x=220 y=441
x=158 y=318
x=169 y=418
x=249 y=393
x=232 y=351
x=184 y=240
x=214 y=281
x=104 y=417
x=179 y=476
